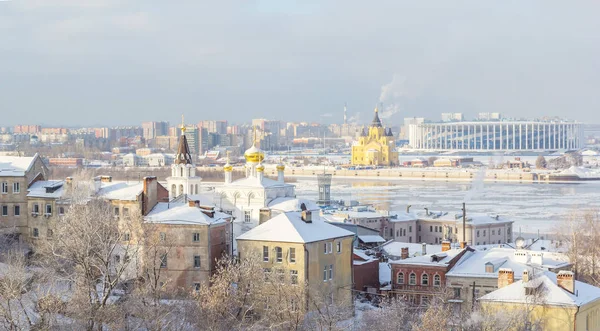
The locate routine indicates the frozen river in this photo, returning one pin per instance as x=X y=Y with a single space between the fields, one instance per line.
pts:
x=533 y=207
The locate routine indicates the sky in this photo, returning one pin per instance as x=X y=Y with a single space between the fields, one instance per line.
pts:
x=121 y=62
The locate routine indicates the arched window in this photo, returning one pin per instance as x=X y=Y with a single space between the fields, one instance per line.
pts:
x=412 y=279
x=424 y=279
x=196 y=191
x=400 y=278
x=191 y=189
x=174 y=190
x=189 y=172
x=437 y=280
x=180 y=189
x=181 y=172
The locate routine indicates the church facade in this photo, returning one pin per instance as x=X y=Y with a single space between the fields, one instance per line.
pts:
x=375 y=148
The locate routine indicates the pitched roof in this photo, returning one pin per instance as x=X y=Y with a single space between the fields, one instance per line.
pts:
x=550 y=293
x=376 y=121
x=120 y=190
x=286 y=204
x=289 y=227
x=15 y=166
x=182 y=214
x=183 y=155
x=53 y=189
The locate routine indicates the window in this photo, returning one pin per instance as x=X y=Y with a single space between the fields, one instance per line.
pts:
x=338 y=247
x=162 y=236
x=329 y=247
x=4 y=188
x=247 y=216
x=484 y=233
x=493 y=232
x=499 y=231
x=424 y=279
x=61 y=210
x=267 y=273
x=279 y=254
x=196 y=287
x=436 y=240
x=292 y=255
x=400 y=278
x=36 y=232
x=424 y=300
x=435 y=228
x=4 y=210
x=196 y=237
x=280 y=275
x=419 y=227
x=265 y=253
x=50 y=233
x=330 y=271
x=325 y=248
x=125 y=211
x=48 y=209
x=196 y=261
x=420 y=239
x=397 y=233
x=17 y=210
x=412 y=279
x=16 y=188
x=410 y=228
x=163 y=261
x=508 y=231
x=117 y=258
x=431 y=228
x=294 y=276
x=126 y=236
x=116 y=211
x=325 y=273
x=36 y=208
x=477 y=233
x=437 y=280
x=457 y=292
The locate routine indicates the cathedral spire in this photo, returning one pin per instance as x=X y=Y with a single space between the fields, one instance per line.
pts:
x=183 y=150
x=376 y=121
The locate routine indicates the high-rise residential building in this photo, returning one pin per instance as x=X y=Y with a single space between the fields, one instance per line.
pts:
x=153 y=129
x=218 y=127
x=193 y=139
x=489 y=116
x=27 y=129
x=452 y=117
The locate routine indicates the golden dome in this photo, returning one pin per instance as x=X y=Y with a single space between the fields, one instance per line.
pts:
x=228 y=167
x=280 y=167
x=254 y=154
x=260 y=168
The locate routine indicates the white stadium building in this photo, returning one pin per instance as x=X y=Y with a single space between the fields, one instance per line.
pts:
x=497 y=135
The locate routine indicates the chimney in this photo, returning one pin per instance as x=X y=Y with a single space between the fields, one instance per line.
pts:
x=408 y=208
x=525 y=276
x=307 y=216
x=106 y=179
x=423 y=249
x=208 y=211
x=404 y=253
x=463 y=244
x=69 y=180
x=265 y=215
x=566 y=281
x=191 y=203
x=150 y=194
x=505 y=277
x=426 y=211
x=446 y=245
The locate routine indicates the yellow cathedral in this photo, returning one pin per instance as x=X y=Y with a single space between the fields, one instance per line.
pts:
x=378 y=147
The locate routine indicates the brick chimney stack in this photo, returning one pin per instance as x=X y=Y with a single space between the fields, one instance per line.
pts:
x=505 y=277
x=404 y=253
x=306 y=216
x=566 y=281
x=526 y=277
x=446 y=246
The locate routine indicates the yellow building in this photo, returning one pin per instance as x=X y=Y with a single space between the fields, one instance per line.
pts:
x=314 y=252
x=549 y=301
x=378 y=147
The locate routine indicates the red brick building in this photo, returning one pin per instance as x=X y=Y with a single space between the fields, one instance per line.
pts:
x=419 y=278
x=366 y=272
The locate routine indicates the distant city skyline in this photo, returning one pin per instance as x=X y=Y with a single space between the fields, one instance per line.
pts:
x=109 y=62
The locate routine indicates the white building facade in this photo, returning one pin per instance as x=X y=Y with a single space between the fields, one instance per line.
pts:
x=497 y=135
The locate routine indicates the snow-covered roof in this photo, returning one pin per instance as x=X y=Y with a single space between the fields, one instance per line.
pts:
x=434 y=259
x=289 y=227
x=364 y=258
x=350 y=214
x=182 y=214
x=256 y=182
x=52 y=189
x=286 y=204
x=549 y=292
x=394 y=248
x=120 y=190
x=517 y=260
x=369 y=239
x=472 y=218
x=205 y=198
x=401 y=216
x=15 y=166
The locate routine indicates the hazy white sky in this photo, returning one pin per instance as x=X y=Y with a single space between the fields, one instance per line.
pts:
x=117 y=62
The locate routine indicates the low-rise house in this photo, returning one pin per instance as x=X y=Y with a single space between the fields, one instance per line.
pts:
x=366 y=272
x=17 y=174
x=394 y=250
x=477 y=275
x=370 y=237
x=418 y=279
x=314 y=252
x=550 y=301
x=364 y=216
x=189 y=239
x=45 y=202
